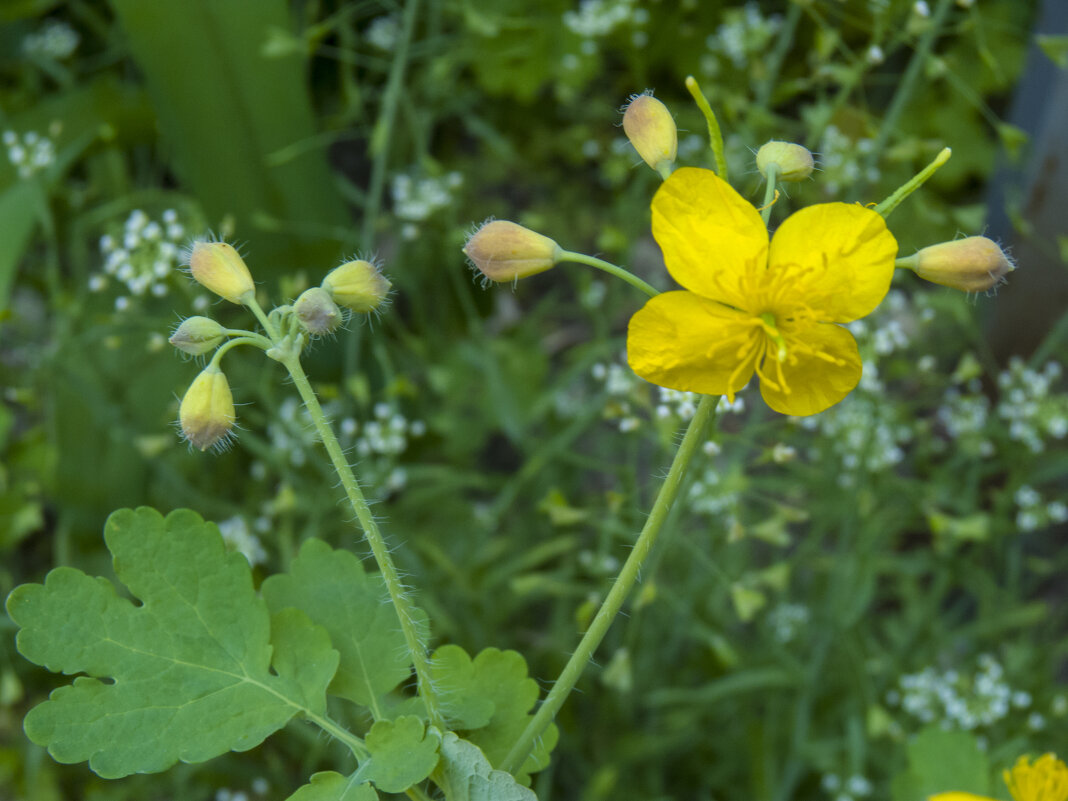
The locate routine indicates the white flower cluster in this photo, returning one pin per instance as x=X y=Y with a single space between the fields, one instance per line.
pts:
x=745 y=33
x=840 y=160
x=621 y=385
x=414 y=200
x=965 y=416
x=29 y=153
x=55 y=40
x=859 y=433
x=260 y=788
x=238 y=537
x=1034 y=513
x=598 y=18
x=959 y=701
x=143 y=256
x=845 y=788
x=787 y=619
x=384 y=31
x=717 y=495
x=1028 y=403
x=378 y=442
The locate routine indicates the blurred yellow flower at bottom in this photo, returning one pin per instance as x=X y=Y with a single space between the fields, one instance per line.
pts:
x=1044 y=780
x=753 y=306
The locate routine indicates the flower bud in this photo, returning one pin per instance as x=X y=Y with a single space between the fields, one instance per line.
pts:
x=198 y=335
x=506 y=251
x=220 y=268
x=317 y=312
x=973 y=264
x=793 y=162
x=650 y=128
x=206 y=413
x=357 y=285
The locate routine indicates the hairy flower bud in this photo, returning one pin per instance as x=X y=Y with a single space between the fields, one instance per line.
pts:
x=506 y=251
x=357 y=285
x=207 y=413
x=792 y=162
x=973 y=264
x=198 y=335
x=317 y=312
x=219 y=267
x=650 y=128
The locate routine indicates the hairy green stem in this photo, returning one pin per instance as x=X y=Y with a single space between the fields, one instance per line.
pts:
x=355 y=744
x=608 y=267
x=624 y=582
x=401 y=602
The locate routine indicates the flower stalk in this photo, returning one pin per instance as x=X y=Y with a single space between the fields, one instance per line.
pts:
x=621 y=588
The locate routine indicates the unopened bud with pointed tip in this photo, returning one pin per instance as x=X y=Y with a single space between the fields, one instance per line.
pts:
x=357 y=285
x=198 y=335
x=317 y=312
x=651 y=129
x=973 y=264
x=506 y=251
x=793 y=162
x=219 y=267
x=206 y=413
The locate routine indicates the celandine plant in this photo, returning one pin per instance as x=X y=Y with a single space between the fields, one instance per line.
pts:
x=207 y=664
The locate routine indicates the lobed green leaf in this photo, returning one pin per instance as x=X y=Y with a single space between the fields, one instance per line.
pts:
x=190 y=668
x=403 y=753
x=331 y=786
x=464 y=774
x=333 y=589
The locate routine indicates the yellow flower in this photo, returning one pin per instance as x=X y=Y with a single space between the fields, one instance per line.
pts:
x=1045 y=780
x=750 y=307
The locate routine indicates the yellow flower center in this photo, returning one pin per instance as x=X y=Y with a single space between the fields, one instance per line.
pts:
x=773 y=322
x=1045 y=780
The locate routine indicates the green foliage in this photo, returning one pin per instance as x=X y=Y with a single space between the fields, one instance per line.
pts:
x=464 y=775
x=333 y=590
x=403 y=753
x=190 y=667
x=941 y=761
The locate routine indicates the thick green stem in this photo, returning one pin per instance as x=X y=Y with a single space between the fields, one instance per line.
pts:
x=608 y=267
x=401 y=602
x=628 y=575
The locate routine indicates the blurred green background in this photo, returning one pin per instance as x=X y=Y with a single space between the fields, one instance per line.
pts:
x=867 y=603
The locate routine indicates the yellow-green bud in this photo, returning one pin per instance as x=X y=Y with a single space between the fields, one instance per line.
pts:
x=793 y=162
x=357 y=285
x=198 y=335
x=207 y=413
x=650 y=128
x=506 y=251
x=973 y=264
x=317 y=312
x=220 y=268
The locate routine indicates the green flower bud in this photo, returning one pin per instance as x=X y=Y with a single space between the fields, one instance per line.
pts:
x=973 y=264
x=206 y=413
x=793 y=162
x=505 y=251
x=198 y=335
x=220 y=268
x=357 y=285
x=650 y=128
x=317 y=312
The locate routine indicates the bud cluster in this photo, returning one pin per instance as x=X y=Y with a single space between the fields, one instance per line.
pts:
x=206 y=414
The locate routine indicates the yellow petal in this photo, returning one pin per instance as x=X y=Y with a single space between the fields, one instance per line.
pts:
x=958 y=796
x=807 y=382
x=841 y=254
x=708 y=233
x=682 y=341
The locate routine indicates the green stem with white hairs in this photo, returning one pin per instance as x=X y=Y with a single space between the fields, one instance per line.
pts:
x=406 y=610
x=621 y=588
